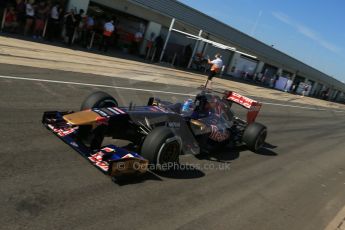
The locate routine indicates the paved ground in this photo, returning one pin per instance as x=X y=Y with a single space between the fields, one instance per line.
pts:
x=297 y=183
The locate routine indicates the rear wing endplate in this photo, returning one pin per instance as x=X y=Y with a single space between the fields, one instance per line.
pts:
x=251 y=105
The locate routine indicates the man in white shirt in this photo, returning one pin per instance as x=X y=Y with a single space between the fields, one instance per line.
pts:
x=108 y=30
x=138 y=37
x=30 y=16
x=54 y=13
x=216 y=66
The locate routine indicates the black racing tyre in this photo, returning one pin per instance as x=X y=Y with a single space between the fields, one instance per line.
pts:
x=97 y=137
x=98 y=100
x=254 y=136
x=161 y=146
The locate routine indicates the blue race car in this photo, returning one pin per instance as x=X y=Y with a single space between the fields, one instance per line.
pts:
x=158 y=133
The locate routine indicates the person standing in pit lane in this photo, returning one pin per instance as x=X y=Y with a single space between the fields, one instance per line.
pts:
x=53 y=28
x=216 y=66
x=305 y=90
x=30 y=16
x=108 y=30
x=70 y=26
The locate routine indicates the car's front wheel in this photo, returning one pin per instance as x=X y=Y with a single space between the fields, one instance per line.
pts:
x=86 y=133
x=99 y=99
x=161 y=146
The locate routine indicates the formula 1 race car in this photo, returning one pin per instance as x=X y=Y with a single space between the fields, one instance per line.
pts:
x=158 y=132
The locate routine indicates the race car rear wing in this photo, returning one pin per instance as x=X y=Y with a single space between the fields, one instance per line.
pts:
x=252 y=106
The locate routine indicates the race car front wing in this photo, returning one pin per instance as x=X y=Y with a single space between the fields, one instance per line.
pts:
x=110 y=159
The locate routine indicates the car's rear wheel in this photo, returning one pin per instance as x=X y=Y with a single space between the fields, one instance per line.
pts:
x=99 y=99
x=254 y=136
x=161 y=146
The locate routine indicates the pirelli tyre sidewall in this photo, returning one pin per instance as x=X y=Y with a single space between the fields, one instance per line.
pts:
x=99 y=99
x=254 y=136
x=161 y=146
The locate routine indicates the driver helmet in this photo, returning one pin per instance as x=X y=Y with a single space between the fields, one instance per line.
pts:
x=207 y=104
x=202 y=106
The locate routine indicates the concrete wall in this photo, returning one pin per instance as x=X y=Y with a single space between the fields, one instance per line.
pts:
x=78 y=4
x=136 y=10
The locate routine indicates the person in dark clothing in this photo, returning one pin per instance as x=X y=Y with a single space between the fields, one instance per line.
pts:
x=187 y=54
x=11 y=22
x=41 y=15
x=20 y=9
x=159 y=43
x=53 y=28
x=87 y=30
x=79 y=24
x=78 y=17
x=70 y=21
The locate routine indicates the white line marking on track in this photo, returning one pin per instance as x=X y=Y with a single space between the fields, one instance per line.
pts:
x=295 y=106
x=149 y=90
x=94 y=85
x=303 y=107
